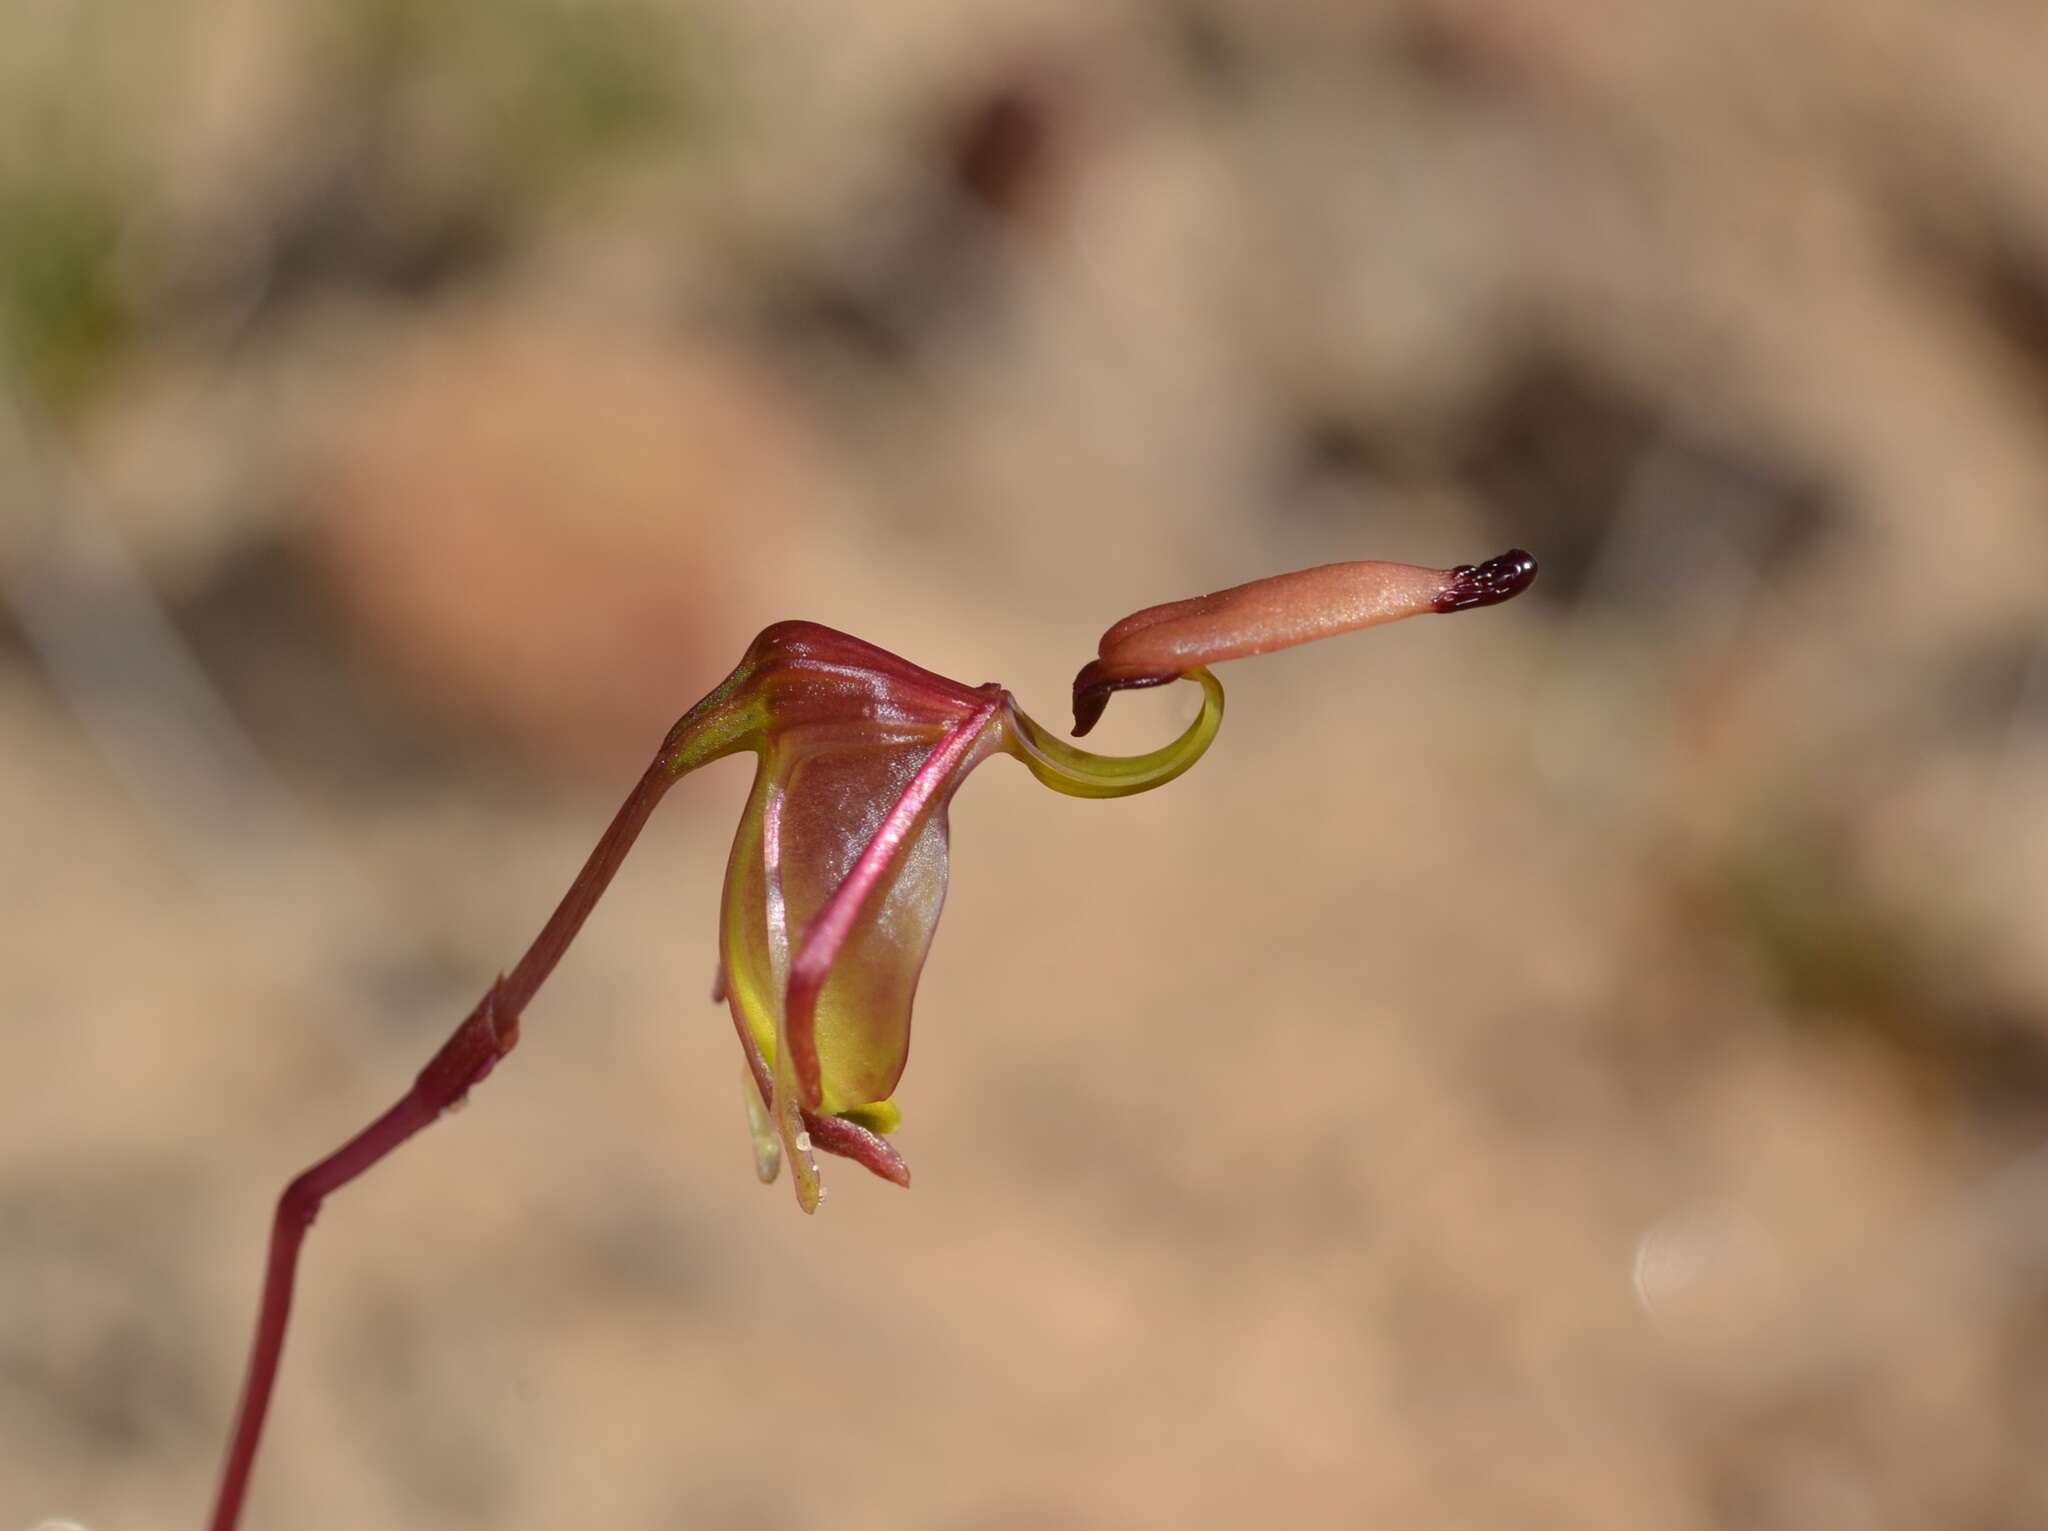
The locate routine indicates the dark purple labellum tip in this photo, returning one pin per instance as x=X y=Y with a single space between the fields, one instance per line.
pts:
x=1488 y=584
x=1093 y=689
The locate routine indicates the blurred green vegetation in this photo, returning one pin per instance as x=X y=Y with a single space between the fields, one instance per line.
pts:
x=544 y=92
x=1847 y=963
x=65 y=311
x=558 y=84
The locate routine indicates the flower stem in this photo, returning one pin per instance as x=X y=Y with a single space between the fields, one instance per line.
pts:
x=488 y=1033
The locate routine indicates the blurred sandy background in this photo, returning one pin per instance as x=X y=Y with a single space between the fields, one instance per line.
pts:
x=1584 y=1065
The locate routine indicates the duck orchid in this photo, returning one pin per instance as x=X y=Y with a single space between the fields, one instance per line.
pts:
x=838 y=872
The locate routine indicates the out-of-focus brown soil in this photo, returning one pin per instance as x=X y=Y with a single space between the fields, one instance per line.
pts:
x=1585 y=1065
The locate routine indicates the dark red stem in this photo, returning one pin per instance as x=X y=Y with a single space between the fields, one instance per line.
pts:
x=488 y=1033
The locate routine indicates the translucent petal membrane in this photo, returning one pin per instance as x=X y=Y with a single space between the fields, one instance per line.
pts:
x=817 y=806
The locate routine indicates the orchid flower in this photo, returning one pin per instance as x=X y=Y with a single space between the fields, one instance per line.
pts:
x=838 y=872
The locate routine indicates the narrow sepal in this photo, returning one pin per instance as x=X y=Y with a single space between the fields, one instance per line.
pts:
x=760 y=1126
